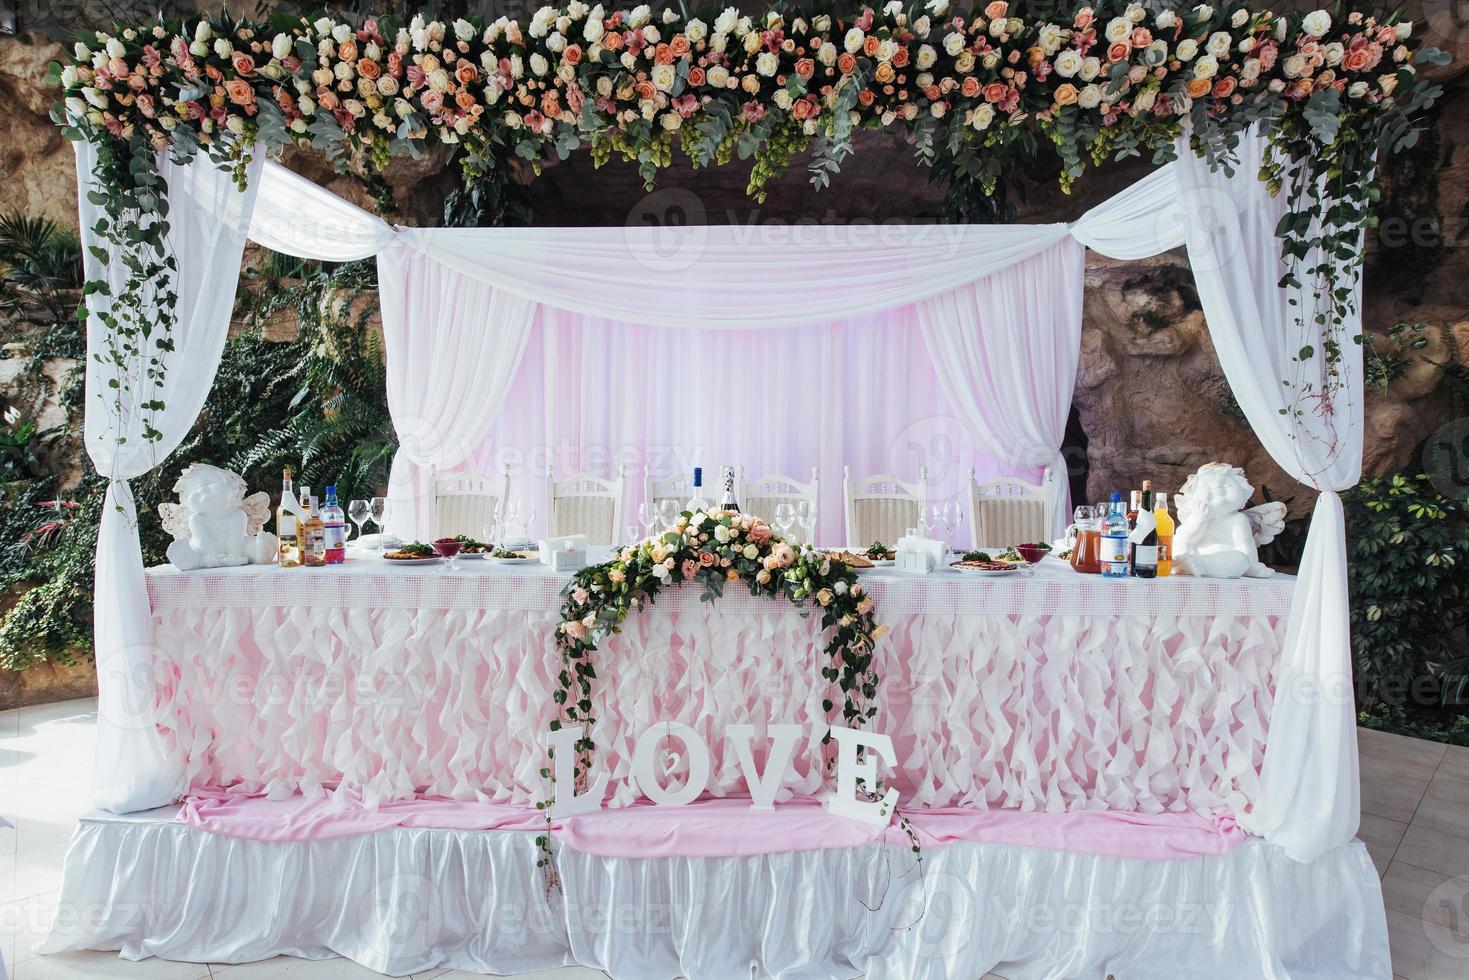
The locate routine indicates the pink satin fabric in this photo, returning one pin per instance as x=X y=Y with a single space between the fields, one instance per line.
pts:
x=715 y=827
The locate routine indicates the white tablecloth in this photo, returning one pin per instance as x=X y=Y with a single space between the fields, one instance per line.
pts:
x=1055 y=691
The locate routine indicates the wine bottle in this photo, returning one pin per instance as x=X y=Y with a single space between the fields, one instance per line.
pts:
x=1145 y=535
x=285 y=524
x=697 y=502
x=314 y=531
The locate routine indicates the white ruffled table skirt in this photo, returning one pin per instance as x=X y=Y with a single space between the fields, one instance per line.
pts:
x=1053 y=693
x=404 y=901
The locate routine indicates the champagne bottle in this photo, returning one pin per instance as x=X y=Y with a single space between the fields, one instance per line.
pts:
x=728 y=501
x=285 y=524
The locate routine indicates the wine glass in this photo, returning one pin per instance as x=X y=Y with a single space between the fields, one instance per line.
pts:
x=648 y=516
x=502 y=513
x=806 y=517
x=525 y=516
x=630 y=534
x=358 y=511
x=668 y=512
x=785 y=517
x=379 y=510
x=951 y=518
x=449 y=548
x=927 y=518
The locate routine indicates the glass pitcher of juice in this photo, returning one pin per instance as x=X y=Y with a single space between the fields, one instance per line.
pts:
x=1086 y=555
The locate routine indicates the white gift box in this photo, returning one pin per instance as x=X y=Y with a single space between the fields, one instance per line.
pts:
x=565 y=554
x=915 y=554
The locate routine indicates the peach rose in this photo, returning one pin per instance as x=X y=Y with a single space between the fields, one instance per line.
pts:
x=805 y=68
x=696 y=77
x=347 y=51
x=1119 y=51
x=970 y=88
x=240 y=92
x=731 y=575
x=244 y=64
x=900 y=58
x=870 y=46
x=1065 y=94
x=689 y=568
x=574 y=629
x=708 y=559
x=612 y=40
x=572 y=54
x=464 y=100
x=550 y=104
x=663 y=55
x=884 y=73
x=997 y=9
x=369 y=69
x=994 y=92
x=1198 y=87
x=679 y=45
x=846 y=64
x=866 y=97
x=1224 y=88
x=1356 y=60
x=466 y=72
x=1141 y=37
x=645 y=90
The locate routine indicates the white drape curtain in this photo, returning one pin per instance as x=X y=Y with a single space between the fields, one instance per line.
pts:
x=208 y=219
x=1005 y=349
x=453 y=345
x=1309 y=793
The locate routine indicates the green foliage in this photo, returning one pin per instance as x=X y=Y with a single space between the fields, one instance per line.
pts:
x=38 y=263
x=1408 y=551
x=317 y=403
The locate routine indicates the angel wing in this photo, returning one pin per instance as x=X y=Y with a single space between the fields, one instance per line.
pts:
x=1266 y=520
x=175 y=520
x=257 y=511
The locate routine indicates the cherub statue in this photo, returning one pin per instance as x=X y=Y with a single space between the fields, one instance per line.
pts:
x=1216 y=538
x=215 y=524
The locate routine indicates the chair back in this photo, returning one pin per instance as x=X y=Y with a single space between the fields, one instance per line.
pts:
x=761 y=498
x=677 y=489
x=881 y=508
x=465 y=503
x=585 y=504
x=1009 y=511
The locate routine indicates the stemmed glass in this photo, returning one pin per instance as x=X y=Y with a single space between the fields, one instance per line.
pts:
x=806 y=517
x=928 y=518
x=358 y=511
x=504 y=510
x=951 y=518
x=668 y=513
x=449 y=548
x=525 y=516
x=379 y=510
x=785 y=518
x=648 y=516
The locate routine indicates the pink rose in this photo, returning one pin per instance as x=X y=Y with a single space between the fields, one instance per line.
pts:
x=760 y=533
x=707 y=558
x=575 y=629
x=689 y=568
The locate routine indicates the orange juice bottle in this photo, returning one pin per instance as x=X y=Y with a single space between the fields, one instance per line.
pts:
x=1165 y=535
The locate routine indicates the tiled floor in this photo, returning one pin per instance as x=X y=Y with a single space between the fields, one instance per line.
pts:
x=1415 y=822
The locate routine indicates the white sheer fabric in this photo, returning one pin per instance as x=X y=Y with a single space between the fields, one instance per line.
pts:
x=208 y=218
x=411 y=901
x=763 y=276
x=453 y=345
x=295 y=216
x=1309 y=796
x=1005 y=349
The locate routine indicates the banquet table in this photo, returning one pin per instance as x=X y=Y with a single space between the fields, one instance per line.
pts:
x=1048 y=691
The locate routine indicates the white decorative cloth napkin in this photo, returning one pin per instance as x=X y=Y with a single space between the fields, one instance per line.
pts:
x=567 y=542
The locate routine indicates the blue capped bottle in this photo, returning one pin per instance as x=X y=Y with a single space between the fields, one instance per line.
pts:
x=1114 y=540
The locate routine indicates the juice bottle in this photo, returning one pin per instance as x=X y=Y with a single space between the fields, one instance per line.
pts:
x=1165 y=535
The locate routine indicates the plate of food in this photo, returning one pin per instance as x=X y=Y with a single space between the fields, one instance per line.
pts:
x=505 y=556
x=879 y=553
x=416 y=553
x=857 y=562
x=473 y=548
x=982 y=563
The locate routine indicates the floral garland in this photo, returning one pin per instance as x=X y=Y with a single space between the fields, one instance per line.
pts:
x=974 y=92
x=713 y=548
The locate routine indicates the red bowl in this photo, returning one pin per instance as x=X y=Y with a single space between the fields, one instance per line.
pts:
x=448 y=547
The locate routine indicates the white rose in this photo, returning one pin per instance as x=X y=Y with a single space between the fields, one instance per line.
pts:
x=223 y=48
x=718 y=75
x=664 y=77
x=204 y=32
x=1333 y=53
x=517 y=67
x=280 y=45
x=1089 y=97
x=821 y=23
x=753 y=42
x=387 y=85
x=696 y=30
x=670 y=15
x=1294 y=66
x=984 y=114
x=1049 y=38
x=726 y=21
x=308 y=105
x=593 y=31
x=341 y=33
x=827 y=54
x=1091 y=67
x=1357 y=89
x=1186 y=49
x=937 y=7
x=721 y=534
x=953 y=43
x=1068 y=63
x=235 y=124
x=998 y=27
x=1219 y=44
x=1166 y=20
x=343 y=70
x=1316 y=23
x=651 y=35
x=886 y=50
x=1206 y=67
x=937 y=110
x=115 y=48
x=640 y=15
x=718 y=43
x=629 y=60
x=1251 y=70
x=670 y=121
x=964 y=64
x=1135 y=13
x=767 y=63
x=1156 y=52
x=1246 y=45
x=1144 y=103
x=1119 y=29
x=751 y=551
x=783 y=98
x=82 y=52
x=853 y=41
x=1203 y=11
x=577 y=10
x=926 y=57
x=77 y=108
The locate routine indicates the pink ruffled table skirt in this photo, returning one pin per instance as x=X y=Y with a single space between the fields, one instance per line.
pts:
x=1057 y=692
